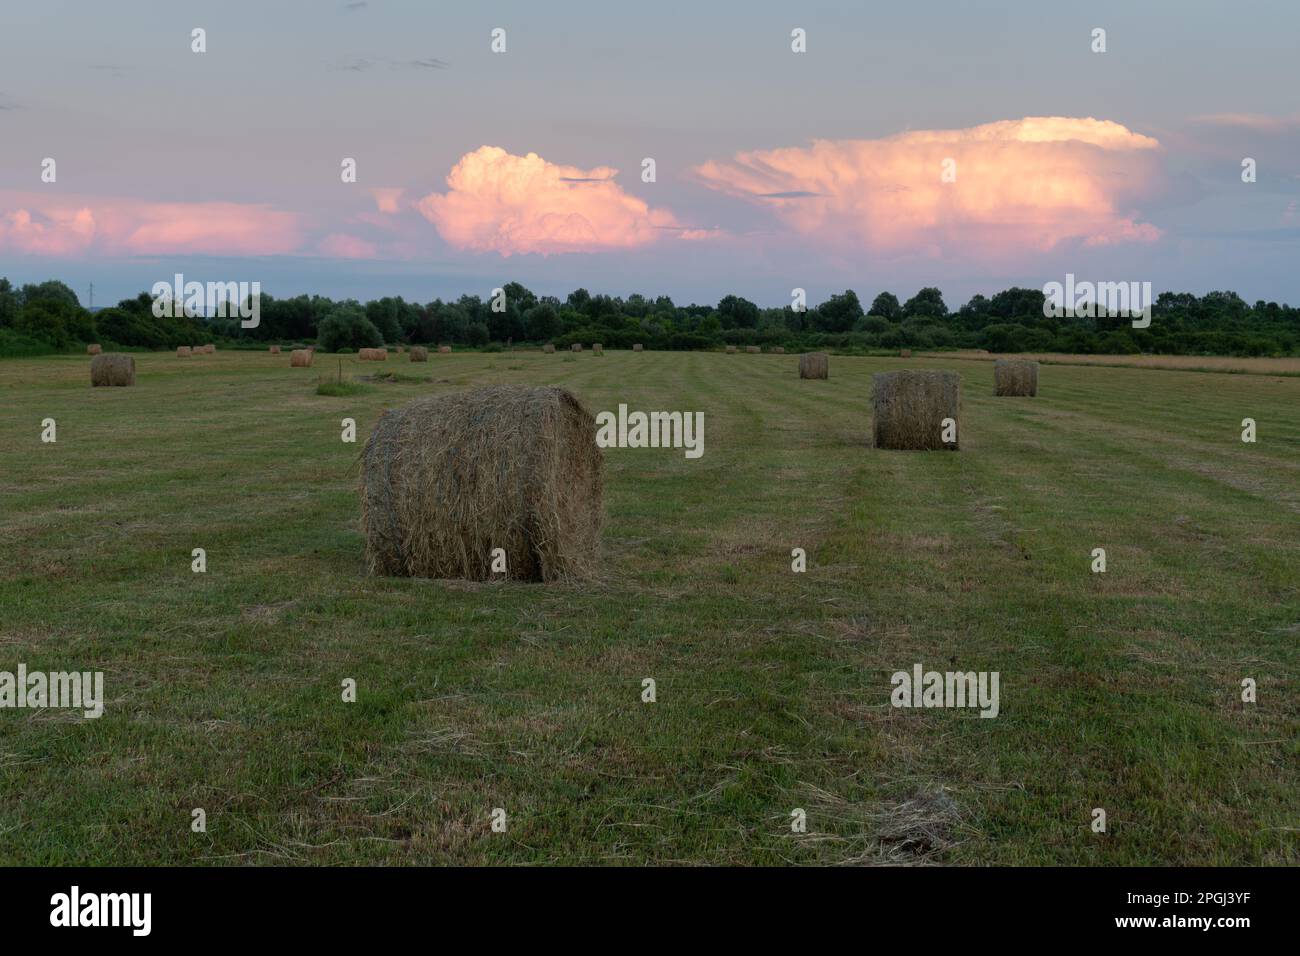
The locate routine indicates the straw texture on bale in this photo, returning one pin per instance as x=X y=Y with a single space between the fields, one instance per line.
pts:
x=814 y=365
x=275 y=350
x=576 y=347
x=448 y=478
x=300 y=358
x=905 y=353
x=778 y=349
x=1015 y=377
x=209 y=348
x=548 y=348
x=94 y=349
x=753 y=349
x=112 y=368
x=419 y=353
x=373 y=355
x=444 y=349
x=598 y=348
x=183 y=351
x=637 y=347
x=908 y=409
x=731 y=349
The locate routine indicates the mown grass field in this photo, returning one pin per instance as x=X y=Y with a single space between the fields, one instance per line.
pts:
x=1118 y=690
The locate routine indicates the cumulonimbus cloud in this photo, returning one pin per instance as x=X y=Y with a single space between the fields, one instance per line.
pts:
x=1014 y=186
x=500 y=202
x=33 y=224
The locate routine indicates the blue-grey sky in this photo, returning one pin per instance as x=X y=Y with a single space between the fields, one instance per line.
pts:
x=774 y=169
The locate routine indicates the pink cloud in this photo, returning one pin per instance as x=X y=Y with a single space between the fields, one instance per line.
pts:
x=511 y=204
x=34 y=224
x=341 y=246
x=388 y=199
x=1020 y=185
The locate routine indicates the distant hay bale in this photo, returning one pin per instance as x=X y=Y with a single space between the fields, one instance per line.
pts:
x=275 y=350
x=300 y=358
x=444 y=349
x=184 y=351
x=753 y=349
x=448 y=478
x=112 y=368
x=731 y=350
x=814 y=365
x=598 y=349
x=576 y=347
x=778 y=349
x=419 y=353
x=548 y=348
x=94 y=349
x=1015 y=377
x=637 y=347
x=373 y=355
x=908 y=409
x=209 y=349
x=905 y=353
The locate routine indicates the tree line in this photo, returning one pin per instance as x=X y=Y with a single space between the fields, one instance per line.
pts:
x=47 y=317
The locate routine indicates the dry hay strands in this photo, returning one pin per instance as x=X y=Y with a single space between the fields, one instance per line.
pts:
x=448 y=478
x=731 y=350
x=1015 y=377
x=184 y=351
x=94 y=349
x=112 y=368
x=444 y=349
x=778 y=350
x=419 y=353
x=753 y=349
x=373 y=355
x=905 y=353
x=637 y=347
x=909 y=408
x=598 y=348
x=575 y=347
x=209 y=349
x=548 y=348
x=300 y=358
x=275 y=350
x=814 y=365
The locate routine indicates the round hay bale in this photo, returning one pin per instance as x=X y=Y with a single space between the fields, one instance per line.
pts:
x=814 y=365
x=373 y=355
x=576 y=347
x=275 y=350
x=112 y=368
x=448 y=478
x=209 y=349
x=908 y=409
x=753 y=349
x=94 y=349
x=300 y=358
x=184 y=351
x=419 y=353
x=444 y=349
x=905 y=353
x=598 y=349
x=731 y=350
x=778 y=349
x=637 y=347
x=1017 y=377
x=548 y=348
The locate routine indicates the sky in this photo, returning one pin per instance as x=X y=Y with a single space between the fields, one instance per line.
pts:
x=971 y=146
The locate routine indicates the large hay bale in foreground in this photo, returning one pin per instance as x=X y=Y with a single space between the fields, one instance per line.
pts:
x=275 y=350
x=908 y=409
x=444 y=349
x=637 y=347
x=184 y=351
x=419 y=353
x=753 y=349
x=548 y=348
x=448 y=478
x=112 y=368
x=1015 y=377
x=300 y=358
x=814 y=365
x=94 y=349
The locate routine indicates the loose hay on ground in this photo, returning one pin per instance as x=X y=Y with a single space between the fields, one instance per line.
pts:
x=908 y=409
x=448 y=478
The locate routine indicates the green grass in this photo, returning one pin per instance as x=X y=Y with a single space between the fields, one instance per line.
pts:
x=342 y=389
x=1118 y=690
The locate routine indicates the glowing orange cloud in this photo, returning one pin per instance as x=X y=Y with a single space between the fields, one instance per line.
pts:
x=511 y=204
x=33 y=224
x=1019 y=185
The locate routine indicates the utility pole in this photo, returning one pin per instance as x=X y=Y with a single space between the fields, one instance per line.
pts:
x=92 y=296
